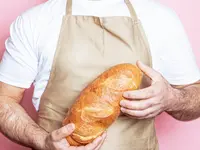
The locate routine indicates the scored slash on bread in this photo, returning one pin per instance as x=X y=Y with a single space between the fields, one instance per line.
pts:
x=97 y=106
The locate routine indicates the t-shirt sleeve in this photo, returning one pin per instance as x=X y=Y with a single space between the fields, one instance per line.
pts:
x=177 y=61
x=18 y=66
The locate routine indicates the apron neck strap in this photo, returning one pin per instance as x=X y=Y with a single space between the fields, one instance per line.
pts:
x=131 y=9
x=69 y=7
x=128 y=3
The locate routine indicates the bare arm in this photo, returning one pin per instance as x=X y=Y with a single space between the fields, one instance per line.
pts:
x=181 y=102
x=19 y=127
x=15 y=122
x=186 y=104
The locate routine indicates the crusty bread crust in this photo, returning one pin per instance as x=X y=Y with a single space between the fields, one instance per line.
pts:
x=97 y=106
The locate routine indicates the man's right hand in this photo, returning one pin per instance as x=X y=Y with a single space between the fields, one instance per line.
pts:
x=57 y=140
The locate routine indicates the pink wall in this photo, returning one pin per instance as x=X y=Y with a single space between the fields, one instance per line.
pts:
x=173 y=135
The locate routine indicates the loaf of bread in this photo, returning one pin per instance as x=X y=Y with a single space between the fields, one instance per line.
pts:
x=97 y=106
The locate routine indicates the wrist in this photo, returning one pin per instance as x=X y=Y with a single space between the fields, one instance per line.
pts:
x=43 y=141
x=175 y=103
x=39 y=140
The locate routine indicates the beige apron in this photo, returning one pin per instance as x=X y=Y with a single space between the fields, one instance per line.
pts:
x=88 y=46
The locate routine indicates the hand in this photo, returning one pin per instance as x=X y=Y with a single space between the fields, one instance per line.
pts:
x=151 y=101
x=56 y=140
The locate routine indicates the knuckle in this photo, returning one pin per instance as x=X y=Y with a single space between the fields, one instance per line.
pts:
x=57 y=132
x=52 y=136
x=158 y=76
x=155 y=101
x=131 y=95
x=124 y=110
x=162 y=107
x=131 y=112
x=158 y=100
x=65 y=129
x=127 y=111
x=152 y=92
x=150 y=103
x=155 y=91
x=126 y=104
x=145 y=113
x=150 y=116
x=162 y=97
x=144 y=105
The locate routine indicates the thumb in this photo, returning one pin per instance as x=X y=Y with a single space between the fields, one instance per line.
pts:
x=63 y=132
x=148 y=71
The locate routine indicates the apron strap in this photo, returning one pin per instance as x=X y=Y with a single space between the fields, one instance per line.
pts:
x=131 y=9
x=69 y=8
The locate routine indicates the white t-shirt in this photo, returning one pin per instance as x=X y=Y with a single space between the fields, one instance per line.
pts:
x=34 y=34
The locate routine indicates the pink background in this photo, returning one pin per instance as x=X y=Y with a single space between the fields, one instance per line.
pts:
x=173 y=135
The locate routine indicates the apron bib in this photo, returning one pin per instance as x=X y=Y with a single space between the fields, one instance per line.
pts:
x=88 y=46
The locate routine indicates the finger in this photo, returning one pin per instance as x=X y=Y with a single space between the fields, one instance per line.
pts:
x=141 y=113
x=77 y=148
x=91 y=146
x=145 y=93
x=151 y=115
x=63 y=145
x=139 y=105
x=99 y=146
x=63 y=132
x=95 y=143
x=151 y=73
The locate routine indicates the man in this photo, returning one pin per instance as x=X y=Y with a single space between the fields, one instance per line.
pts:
x=30 y=49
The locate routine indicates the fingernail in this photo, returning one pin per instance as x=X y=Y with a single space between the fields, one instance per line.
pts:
x=71 y=126
x=104 y=135
x=122 y=109
x=139 y=62
x=99 y=138
x=122 y=102
x=125 y=94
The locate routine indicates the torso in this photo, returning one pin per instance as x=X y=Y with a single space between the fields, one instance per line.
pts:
x=50 y=23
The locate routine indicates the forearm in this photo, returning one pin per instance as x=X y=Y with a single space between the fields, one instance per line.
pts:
x=186 y=103
x=18 y=126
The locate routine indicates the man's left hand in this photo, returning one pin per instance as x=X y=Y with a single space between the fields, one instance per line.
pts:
x=151 y=101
